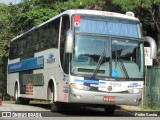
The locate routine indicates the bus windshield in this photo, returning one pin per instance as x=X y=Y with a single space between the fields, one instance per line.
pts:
x=107 y=26
x=121 y=56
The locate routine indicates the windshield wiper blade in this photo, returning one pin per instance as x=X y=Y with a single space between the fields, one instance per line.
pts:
x=99 y=63
x=123 y=68
x=121 y=64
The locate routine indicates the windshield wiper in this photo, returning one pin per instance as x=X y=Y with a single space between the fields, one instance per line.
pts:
x=120 y=63
x=103 y=54
x=123 y=68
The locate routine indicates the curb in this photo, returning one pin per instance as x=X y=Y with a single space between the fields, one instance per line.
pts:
x=136 y=109
x=130 y=108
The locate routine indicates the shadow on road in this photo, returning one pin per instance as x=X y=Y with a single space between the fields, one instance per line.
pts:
x=72 y=111
x=81 y=111
x=44 y=105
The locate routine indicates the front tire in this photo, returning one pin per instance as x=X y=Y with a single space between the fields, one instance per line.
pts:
x=55 y=106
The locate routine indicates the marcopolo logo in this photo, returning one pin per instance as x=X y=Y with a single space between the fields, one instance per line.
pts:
x=115 y=84
x=51 y=58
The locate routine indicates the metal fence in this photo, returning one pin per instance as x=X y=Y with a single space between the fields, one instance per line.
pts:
x=152 y=91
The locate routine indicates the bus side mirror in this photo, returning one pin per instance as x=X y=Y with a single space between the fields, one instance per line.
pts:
x=153 y=46
x=69 y=41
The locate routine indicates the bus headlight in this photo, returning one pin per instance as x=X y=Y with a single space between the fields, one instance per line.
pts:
x=80 y=87
x=136 y=90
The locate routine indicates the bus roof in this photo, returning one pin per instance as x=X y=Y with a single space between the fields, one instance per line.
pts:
x=100 y=13
x=85 y=12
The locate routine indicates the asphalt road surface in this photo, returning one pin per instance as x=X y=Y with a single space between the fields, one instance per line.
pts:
x=43 y=110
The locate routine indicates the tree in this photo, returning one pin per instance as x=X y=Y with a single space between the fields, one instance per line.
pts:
x=18 y=18
x=31 y=13
x=148 y=11
x=3 y=47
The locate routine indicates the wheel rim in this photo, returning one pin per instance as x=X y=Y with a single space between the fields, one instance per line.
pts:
x=51 y=97
x=16 y=94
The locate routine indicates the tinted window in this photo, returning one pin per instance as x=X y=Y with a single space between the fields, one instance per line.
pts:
x=64 y=57
x=41 y=38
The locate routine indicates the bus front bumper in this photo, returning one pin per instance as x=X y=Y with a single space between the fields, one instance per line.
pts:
x=92 y=97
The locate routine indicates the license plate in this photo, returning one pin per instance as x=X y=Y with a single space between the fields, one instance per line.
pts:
x=109 y=98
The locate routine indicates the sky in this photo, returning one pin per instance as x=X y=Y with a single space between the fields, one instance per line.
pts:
x=8 y=1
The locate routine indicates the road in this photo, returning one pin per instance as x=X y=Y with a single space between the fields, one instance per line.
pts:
x=44 y=109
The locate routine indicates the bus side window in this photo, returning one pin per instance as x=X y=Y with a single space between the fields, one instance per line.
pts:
x=64 y=57
x=15 y=46
x=11 y=50
x=53 y=30
x=44 y=30
x=45 y=37
x=35 y=39
x=40 y=39
x=54 y=36
x=49 y=43
x=21 y=47
x=14 y=49
x=28 y=45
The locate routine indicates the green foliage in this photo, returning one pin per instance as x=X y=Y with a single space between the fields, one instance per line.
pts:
x=74 y=4
x=132 y=5
x=27 y=20
x=148 y=11
x=30 y=13
x=127 y=5
x=150 y=107
x=16 y=19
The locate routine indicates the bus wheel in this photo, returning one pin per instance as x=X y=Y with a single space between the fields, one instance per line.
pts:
x=109 y=109
x=55 y=106
x=19 y=100
x=50 y=94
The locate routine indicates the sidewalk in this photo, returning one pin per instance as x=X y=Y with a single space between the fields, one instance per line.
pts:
x=136 y=108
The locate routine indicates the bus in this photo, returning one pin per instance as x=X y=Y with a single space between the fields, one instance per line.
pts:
x=80 y=57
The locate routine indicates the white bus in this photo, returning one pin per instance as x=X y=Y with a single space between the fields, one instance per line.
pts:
x=80 y=57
